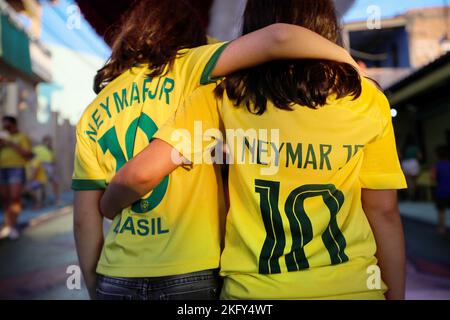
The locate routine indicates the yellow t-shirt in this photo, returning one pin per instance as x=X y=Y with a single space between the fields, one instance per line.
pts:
x=9 y=157
x=167 y=233
x=296 y=228
x=36 y=172
x=44 y=154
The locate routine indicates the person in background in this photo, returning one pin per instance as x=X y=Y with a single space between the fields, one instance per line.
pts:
x=46 y=155
x=36 y=182
x=441 y=175
x=15 y=151
x=411 y=165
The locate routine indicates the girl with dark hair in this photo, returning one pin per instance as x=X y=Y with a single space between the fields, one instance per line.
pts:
x=165 y=246
x=312 y=176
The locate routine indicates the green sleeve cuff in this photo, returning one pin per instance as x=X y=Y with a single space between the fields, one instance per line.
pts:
x=206 y=75
x=88 y=185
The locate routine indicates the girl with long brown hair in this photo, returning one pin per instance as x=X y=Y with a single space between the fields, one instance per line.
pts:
x=167 y=245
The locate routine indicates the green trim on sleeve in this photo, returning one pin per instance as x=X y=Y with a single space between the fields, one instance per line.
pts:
x=206 y=75
x=88 y=185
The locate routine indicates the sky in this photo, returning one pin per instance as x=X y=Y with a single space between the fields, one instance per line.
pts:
x=64 y=25
x=389 y=8
x=77 y=53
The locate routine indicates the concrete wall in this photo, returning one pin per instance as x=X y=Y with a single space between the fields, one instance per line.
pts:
x=226 y=19
x=426 y=29
x=64 y=144
x=9 y=99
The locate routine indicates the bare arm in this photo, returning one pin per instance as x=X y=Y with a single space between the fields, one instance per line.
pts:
x=88 y=231
x=129 y=185
x=278 y=42
x=381 y=208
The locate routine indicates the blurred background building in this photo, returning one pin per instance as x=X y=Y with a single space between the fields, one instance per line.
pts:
x=48 y=57
x=408 y=55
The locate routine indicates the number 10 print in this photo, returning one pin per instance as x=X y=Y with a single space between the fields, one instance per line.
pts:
x=300 y=226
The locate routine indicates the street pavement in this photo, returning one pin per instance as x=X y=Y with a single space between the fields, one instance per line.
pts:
x=428 y=251
x=29 y=215
x=36 y=265
x=422 y=211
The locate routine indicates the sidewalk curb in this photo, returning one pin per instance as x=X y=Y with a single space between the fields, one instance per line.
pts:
x=407 y=216
x=57 y=213
x=431 y=268
x=418 y=220
x=429 y=255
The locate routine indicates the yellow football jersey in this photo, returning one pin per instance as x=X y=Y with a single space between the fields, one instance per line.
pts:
x=9 y=157
x=44 y=154
x=166 y=233
x=36 y=172
x=296 y=228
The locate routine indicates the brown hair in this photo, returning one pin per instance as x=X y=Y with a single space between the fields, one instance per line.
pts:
x=287 y=83
x=151 y=32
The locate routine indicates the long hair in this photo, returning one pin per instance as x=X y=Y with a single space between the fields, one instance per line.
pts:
x=151 y=32
x=287 y=83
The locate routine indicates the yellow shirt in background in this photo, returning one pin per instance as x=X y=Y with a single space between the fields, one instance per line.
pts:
x=9 y=157
x=44 y=154
x=296 y=228
x=36 y=172
x=166 y=233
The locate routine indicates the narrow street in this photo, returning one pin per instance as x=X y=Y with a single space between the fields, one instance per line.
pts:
x=35 y=266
